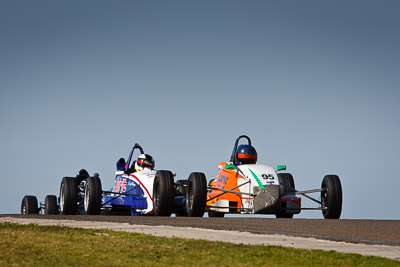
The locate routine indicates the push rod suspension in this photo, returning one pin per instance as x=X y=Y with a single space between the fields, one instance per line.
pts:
x=120 y=194
x=228 y=191
x=305 y=192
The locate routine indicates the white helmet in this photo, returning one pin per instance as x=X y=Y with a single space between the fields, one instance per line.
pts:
x=144 y=161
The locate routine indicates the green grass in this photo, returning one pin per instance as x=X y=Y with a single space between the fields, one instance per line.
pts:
x=32 y=245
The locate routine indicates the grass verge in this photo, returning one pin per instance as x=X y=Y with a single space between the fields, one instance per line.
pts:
x=32 y=245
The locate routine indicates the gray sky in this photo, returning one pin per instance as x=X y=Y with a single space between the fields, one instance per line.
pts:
x=315 y=84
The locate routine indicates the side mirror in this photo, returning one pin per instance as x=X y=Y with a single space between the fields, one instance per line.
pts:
x=280 y=168
x=229 y=167
x=121 y=164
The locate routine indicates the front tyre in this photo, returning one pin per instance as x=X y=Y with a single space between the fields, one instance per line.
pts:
x=163 y=193
x=50 y=205
x=331 y=197
x=29 y=205
x=92 y=196
x=196 y=194
x=68 y=196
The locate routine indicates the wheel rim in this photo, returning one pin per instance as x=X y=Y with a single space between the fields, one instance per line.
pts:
x=324 y=197
x=157 y=195
x=191 y=196
x=86 y=197
x=24 y=208
x=62 y=198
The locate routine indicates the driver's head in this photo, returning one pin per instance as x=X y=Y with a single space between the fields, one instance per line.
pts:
x=246 y=154
x=144 y=161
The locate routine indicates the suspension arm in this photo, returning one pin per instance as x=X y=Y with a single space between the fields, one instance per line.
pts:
x=224 y=191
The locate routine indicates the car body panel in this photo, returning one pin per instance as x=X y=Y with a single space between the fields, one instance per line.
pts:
x=250 y=181
x=139 y=189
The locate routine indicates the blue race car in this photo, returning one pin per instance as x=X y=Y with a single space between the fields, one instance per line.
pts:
x=138 y=190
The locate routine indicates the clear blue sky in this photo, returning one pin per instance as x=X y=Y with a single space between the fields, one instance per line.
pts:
x=315 y=84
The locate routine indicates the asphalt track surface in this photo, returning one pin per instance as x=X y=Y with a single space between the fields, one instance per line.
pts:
x=377 y=232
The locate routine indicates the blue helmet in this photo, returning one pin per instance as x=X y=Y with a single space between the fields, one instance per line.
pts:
x=246 y=154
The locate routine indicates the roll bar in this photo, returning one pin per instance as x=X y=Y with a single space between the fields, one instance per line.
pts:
x=135 y=146
x=233 y=156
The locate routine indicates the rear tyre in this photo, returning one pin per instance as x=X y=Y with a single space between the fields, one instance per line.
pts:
x=163 y=193
x=331 y=197
x=287 y=185
x=287 y=182
x=196 y=194
x=29 y=205
x=92 y=196
x=50 y=205
x=68 y=196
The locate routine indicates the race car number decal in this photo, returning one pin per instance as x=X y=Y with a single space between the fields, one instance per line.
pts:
x=120 y=185
x=267 y=177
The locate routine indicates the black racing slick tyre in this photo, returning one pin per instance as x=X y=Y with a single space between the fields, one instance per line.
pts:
x=163 y=193
x=287 y=182
x=29 y=205
x=331 y=197
x=50 y=205
x=287 y=185
x=68 y=196
x=92 y=196
x=196 y=194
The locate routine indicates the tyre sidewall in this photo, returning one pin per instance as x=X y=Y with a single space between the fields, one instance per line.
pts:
x=93 y=196
x=196 y=194
x=163 y=193
x=50 y=205
x=68 y=196
x=287 y=185
x=333 y=198
x=30 y=204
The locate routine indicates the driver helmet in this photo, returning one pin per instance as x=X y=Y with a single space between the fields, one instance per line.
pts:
x=144 y=161
x=246 y=154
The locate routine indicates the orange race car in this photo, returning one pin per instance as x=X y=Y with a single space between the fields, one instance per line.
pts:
x=244 y=187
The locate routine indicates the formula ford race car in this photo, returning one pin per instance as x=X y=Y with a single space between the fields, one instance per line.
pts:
x=244 y=187
x=138 y=190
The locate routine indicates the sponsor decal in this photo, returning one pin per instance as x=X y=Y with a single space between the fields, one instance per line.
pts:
x=131 y=184
x=223 y=179
x=120 y=184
